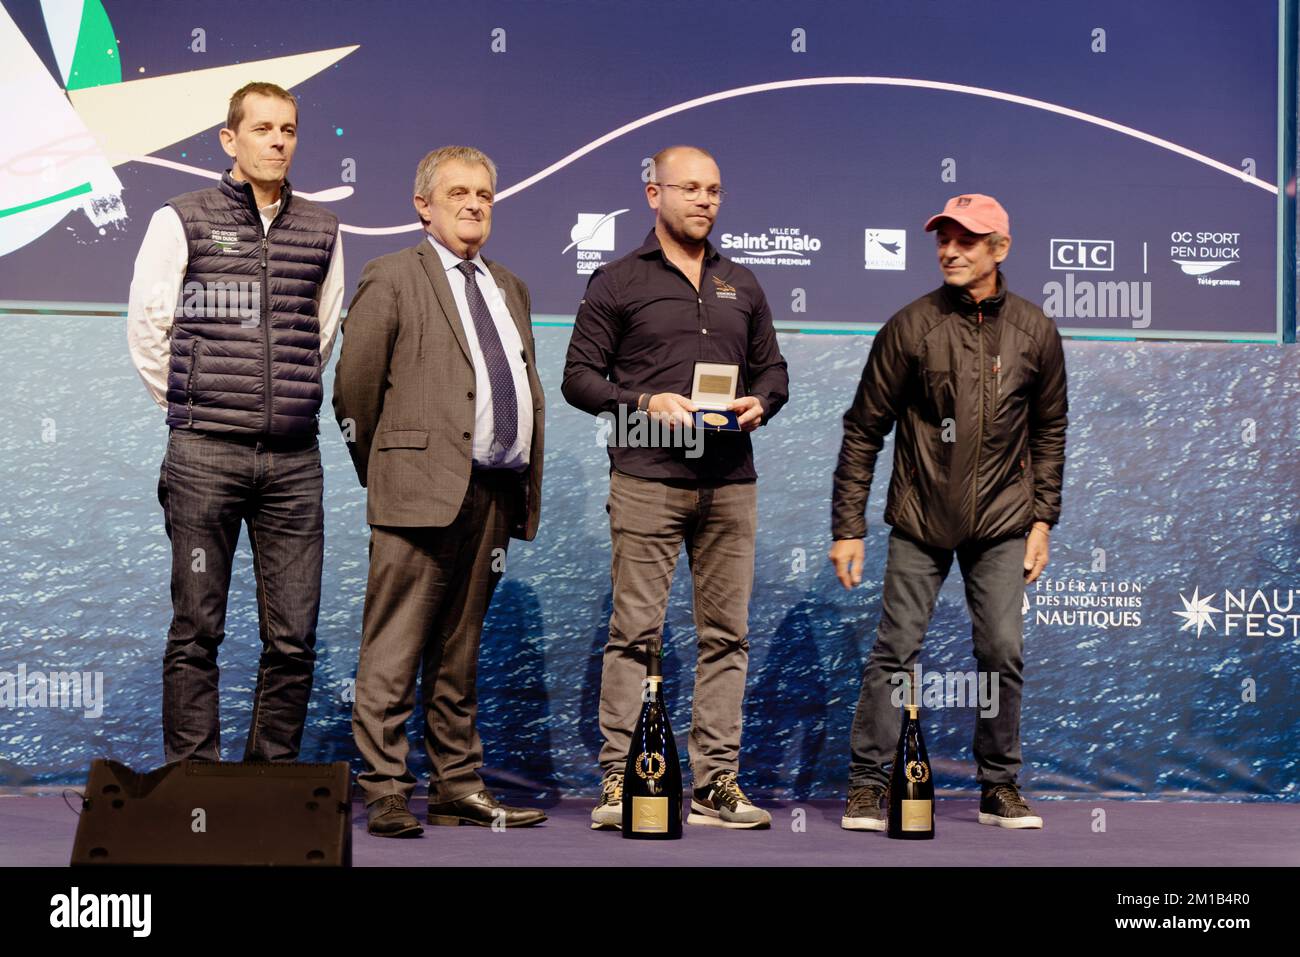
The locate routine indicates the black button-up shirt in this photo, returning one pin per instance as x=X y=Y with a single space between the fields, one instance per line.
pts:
x=641 y=328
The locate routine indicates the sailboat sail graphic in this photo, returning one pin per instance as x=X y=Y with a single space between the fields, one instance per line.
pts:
x=51 y=164
x=66 y=138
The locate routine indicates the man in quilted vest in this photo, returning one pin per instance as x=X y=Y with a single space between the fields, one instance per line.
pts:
x=234 y=305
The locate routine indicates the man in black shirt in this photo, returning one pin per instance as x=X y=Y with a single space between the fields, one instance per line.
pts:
x=645 y=321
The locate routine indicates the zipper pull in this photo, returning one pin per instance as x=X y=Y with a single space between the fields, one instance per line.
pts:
x=263 y=252
x=997 y=370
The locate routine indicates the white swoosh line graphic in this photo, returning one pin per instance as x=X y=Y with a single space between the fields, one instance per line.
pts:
x=331 y=195
x=1194 y=268
x=600 y=222
x=848 y=81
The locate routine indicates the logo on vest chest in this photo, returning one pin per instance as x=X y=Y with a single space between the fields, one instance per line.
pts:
x=227 y=240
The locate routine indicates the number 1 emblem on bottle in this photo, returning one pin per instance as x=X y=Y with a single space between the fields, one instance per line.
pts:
x=652 y=776
x=650 y=767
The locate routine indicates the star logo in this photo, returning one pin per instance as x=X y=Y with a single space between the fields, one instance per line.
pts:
x=1196 y=612
x=886 y=249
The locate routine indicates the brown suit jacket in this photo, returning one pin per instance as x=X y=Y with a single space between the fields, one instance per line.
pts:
x=404 y=392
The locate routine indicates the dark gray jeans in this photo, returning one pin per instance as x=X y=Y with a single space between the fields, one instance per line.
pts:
x=648 y=523
x=994 y=576
x=209 y=485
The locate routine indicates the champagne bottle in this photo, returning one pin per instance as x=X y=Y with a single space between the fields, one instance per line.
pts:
x=911 y=787
x=652 y=779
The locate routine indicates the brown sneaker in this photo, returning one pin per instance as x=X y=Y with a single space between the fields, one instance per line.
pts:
x=865 y=809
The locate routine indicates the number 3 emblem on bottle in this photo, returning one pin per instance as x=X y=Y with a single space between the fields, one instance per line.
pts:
x=917 y=772
x=650 y=767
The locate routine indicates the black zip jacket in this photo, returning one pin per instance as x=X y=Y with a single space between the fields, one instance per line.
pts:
x=978 y=392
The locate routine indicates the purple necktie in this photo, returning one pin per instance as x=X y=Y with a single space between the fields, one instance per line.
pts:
x=505 y=412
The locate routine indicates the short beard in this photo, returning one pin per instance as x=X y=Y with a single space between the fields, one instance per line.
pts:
x=682 y=239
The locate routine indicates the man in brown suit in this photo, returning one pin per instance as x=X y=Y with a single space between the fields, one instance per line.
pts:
x=439 y=400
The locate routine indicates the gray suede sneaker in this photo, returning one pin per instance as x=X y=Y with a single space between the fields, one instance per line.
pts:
x=608 y=812
x=723 y=804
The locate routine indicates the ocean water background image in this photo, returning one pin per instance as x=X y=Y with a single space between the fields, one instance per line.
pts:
x=1183 y=465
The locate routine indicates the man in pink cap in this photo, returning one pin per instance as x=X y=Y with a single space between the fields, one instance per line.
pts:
x=974 y=377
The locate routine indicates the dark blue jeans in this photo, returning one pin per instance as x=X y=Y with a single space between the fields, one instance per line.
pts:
x=208 y=486
x=994 y=575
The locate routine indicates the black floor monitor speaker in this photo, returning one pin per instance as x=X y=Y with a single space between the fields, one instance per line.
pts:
x=214 y=813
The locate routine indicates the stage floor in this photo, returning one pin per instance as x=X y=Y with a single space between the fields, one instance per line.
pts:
x=38 y=831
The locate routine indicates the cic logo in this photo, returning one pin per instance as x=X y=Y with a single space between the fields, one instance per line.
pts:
x=1083 y=255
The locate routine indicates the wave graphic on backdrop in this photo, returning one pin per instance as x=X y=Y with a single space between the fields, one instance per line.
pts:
x=845 y=81
x=331 y=195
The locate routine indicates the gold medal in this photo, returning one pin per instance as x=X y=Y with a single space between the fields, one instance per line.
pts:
x=714 y=418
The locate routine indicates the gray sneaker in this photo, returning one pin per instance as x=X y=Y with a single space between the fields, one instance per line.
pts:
x=608 y=811
x=723 y=804
x=865 y=809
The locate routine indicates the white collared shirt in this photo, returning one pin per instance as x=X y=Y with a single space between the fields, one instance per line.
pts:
x=156 y=285
x=516 y=457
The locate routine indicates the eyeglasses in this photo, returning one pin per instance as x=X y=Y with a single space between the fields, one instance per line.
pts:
x=692 y=193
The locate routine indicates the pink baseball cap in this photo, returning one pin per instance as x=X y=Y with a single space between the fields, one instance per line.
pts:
x=976 y=212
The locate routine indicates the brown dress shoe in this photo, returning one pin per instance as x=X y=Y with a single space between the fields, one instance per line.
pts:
x=388 y=817
x=484 y=810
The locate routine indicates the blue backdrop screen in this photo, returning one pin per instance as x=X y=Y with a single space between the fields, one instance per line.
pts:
x=1135 y=146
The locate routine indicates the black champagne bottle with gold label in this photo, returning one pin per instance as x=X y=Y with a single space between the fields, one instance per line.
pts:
x=911 y=786
x=652 y=779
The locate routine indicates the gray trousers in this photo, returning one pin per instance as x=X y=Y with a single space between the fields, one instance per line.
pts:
x=426 y=597
x=993 y=573
x=649 y=521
